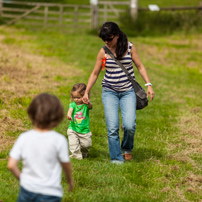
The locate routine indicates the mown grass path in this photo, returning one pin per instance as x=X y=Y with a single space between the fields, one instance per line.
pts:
x=167 y=151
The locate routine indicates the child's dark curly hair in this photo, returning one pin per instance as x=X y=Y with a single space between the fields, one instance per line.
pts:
x=79 y=88
x=45 y=111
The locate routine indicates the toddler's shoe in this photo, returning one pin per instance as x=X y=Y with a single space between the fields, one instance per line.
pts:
x=84 y=156
x=122 y=127
x=127 y=157
x=117 y=162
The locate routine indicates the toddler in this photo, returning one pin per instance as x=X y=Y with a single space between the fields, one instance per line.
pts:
x=78 y=132
x=43 y=153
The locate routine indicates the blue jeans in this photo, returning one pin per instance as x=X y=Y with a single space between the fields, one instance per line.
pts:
x=27 y=196
x=127 y=102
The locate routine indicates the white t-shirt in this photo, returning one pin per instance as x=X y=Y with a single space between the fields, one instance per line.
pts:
x=41 y=154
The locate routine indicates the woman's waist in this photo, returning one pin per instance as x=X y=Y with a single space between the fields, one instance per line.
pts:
x=117 y=86
x=117 y=81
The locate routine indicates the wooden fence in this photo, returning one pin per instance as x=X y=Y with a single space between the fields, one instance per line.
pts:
x=176 y=8
x=70 y=16
x=61 y=15
x=46 y=14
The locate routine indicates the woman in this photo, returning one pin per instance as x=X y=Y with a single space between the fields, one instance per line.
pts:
x=117 y=90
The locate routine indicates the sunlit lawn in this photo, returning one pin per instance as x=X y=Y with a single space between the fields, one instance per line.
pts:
x=166 y=162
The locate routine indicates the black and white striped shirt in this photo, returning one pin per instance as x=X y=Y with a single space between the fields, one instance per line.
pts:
x=115 y=79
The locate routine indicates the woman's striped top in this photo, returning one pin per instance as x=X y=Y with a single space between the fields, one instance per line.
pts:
x=115 y=79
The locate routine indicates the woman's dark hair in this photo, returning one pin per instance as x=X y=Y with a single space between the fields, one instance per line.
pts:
x=79 y=88
x=109 y=29
x=45 y=111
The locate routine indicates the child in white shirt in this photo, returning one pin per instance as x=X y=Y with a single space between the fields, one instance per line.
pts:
x=43 y=153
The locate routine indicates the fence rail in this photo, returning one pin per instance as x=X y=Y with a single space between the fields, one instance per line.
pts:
x=63 y=15
x=46 y=14
x=174 y=8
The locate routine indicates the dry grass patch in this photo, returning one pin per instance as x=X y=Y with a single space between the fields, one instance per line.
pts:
x=191 y=184
x=10 y=124
x=171 y=51
x=5 y=142
x=23 y=74
x=152 y=53
x=188 y=144
x=188 y=141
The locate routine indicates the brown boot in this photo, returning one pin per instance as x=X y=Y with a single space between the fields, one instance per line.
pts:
x=127 y=157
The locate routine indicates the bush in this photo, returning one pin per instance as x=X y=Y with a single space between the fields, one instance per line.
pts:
x=2 y=21
x=162 y=23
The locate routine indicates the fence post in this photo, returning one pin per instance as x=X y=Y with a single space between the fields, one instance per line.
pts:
x=60 y=16
x=45 y=16
x=105 y=13
x=1 y=7
x=75 y=18
x=94 y=13
x=133 y=9
x=200 y=5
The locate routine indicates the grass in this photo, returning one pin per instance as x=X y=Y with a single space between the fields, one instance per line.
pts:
x=167 y=148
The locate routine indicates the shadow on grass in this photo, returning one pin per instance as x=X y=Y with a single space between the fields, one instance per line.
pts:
x=97 y=154
x=139 y=155
x=142 y=154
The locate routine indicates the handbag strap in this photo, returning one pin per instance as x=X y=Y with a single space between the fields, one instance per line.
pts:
x=122 y=67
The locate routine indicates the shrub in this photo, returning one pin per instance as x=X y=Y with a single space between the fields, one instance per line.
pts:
x=162 y=23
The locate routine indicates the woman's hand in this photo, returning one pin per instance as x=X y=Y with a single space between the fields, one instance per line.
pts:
x=85 y=98
x=142 y=71
x=151 y=92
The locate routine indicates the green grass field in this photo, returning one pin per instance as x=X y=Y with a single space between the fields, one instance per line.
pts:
x=167 y=148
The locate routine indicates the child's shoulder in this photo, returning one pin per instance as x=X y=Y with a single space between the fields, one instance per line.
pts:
x=26 y=133
x=72 y=104
x=36 y=133
x=24 y=136
x=57 y=135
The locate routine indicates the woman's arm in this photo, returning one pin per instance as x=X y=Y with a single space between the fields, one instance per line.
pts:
x=94 y=75
x=13 y=167
x=142 y=71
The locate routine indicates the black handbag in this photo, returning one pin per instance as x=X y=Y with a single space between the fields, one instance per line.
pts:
x=141 y=96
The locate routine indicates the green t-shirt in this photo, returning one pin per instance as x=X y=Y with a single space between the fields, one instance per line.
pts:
x=80 y=117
